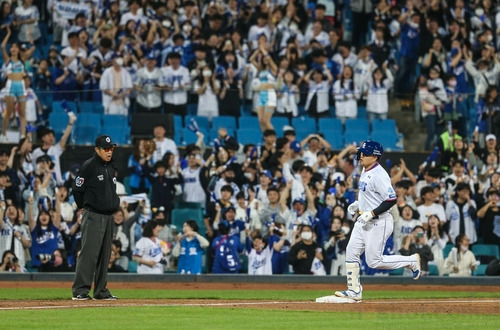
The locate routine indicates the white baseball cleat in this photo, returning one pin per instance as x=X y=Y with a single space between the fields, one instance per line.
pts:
x=336 y=300
x=349 y=294
x=417 y=271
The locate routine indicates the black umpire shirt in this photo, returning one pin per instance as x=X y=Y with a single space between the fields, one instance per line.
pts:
x=95 y=187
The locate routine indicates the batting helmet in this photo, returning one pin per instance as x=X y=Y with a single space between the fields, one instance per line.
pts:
x=370 y=148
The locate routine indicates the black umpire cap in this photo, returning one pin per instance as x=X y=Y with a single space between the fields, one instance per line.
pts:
x=104 y=141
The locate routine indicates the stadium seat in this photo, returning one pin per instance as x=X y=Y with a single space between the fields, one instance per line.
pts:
x=89 y=119
x=178 y=122
x=202 y=122
x=248 y=122
x=335 y=138
x=301 y=134
x=243 y=259
x=488 y=250
x=387 y=125
x=304 y=123
x=91 y=107
x=398 y=272
x=58 y=121
x=119 y=134
x=186 y=205
x=189 y=136
x=357 y=124
x=433 y=270
x=361 y=112
x=115 y=121
x=249 y=135
x=228 y=122
x=330 y=124
x=85 y=135
x=355 y=136
x=480 y=270
x=132 y=266
x=179 y=216
x=278 y=123
x=388 y=140
x=447 y=249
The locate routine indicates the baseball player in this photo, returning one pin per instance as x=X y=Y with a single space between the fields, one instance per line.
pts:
x=375 y=223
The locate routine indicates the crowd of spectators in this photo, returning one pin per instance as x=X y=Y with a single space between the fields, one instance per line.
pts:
x=281 y=201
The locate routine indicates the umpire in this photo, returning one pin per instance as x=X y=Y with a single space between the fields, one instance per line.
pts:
x=94 y=190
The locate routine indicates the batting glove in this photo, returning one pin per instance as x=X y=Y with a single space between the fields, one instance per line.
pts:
x=353 y=208
x=366 y=216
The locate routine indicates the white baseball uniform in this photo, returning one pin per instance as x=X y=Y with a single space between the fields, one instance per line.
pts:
x=375 y=188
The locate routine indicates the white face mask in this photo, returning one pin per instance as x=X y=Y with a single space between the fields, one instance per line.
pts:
x=186 y=28
x=249 y=176
x=452 y=83
x=413 y=25
x=306 y=235
x=207 y=73
x=167 y=24
x=119 y=61
x=346 y=230
x=464 y=248
x=490 y=38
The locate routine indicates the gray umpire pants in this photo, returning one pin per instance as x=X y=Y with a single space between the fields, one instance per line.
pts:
x=97 y=237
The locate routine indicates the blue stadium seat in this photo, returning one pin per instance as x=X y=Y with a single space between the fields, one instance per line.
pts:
x=447 y=250
x=305 y=124
x=88 y=119
x=58 y=121
x=85 y=135
x=388 y=140
x=91 y=107
x=177 y=136
x=180 y=215
x=115 y=121
x=355 y=136
x=248 y=122
x=278 y=123
x=480 y=270
x=485 y=250
x=189 y=136
x=330 y=124
x=301 y=134
x=132 y=266
x=178 y=122
x=335 y=138
x=387 y=125
x=362 y=112
x=228 y=122
x=433 y=270
x=249 y=135
x=357 y=124
x=119 y=134
x=202 y=122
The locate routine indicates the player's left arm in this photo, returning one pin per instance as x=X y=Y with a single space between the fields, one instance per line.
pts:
x=388 y=194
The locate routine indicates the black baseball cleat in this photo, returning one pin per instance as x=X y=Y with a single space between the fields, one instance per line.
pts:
x=110 y=297
x=81 y=297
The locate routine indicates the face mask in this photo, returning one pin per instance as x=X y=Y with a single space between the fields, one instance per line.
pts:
x=490 y=38
x=248 y=176
x=167 y=24
x=207 y=73
x=306 y=235
x=119 y=61
x=346 y=230
x=181 y=11
x=413 y=25
x=452 y=83
x=293 y=28
x=464 y=248
x=186 y=28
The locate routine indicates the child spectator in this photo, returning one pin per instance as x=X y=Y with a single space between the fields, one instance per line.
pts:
x=226 y=250
x=150 y=251
x=189 y=248
x=461 y=261
x=416 y=242
x=259 y=256
x=248 y=213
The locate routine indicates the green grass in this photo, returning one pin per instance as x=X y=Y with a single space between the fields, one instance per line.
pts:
x=232 y=318
x=214 y=317
x=282 y=295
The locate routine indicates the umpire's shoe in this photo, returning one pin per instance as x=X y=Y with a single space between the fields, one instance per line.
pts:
x=81 y=297
x=110 y=297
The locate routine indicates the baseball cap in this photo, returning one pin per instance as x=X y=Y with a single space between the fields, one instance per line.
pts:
x=267 y=173
x=295 y=146
x=151 y=56
x=490 y=137
x=287 y=129
x=104 y=141
x=299 y=200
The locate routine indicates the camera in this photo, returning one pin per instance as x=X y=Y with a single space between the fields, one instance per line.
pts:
x=337 y=232
x=13 y=259
x=420 y=234
x=44 y=257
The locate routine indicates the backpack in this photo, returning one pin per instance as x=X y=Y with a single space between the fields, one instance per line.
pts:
x=226 y=254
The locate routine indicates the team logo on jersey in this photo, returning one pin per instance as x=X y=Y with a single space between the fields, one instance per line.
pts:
x=100 y=177
x=362 y=185
x=114 y=180
x=79 y=181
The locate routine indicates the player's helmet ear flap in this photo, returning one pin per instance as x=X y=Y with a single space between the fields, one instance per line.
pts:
x=370 y=148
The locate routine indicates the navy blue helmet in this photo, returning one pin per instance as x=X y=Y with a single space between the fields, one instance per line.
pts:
x=370 y=148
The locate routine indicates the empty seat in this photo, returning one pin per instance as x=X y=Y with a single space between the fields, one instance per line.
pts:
x=387 y=125
x=355 y=137
x=178 y=122
x=329 y=124
x=278 y=123
x=85 y=135
x=387 y=139
x=304 y=123
x=357 y=124
x=249 y=135
x=58 y=121
x=115 y=121
x=489 y=250
x=119 y=134
x=248 y=122
x=59 y=106
x=91 y=107
x=88 y=119
x=228 y=122
x=335 y=138
x=361 y=112
x=480 y=270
